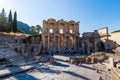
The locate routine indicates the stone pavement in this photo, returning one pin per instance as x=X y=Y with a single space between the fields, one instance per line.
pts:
x=61 y=70
x=11 y=70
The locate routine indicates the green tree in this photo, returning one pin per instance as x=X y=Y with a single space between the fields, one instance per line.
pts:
x=15 y=22
x=41 y=29
x=3 y=21
x=32 y=29
x=10 y=21
x=38 y=28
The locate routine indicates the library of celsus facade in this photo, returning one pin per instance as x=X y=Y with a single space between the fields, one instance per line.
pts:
x=60 y=36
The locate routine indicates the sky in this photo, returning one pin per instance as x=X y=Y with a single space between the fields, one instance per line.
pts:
x=92 y=14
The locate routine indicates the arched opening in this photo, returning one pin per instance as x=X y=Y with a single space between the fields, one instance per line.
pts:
x=100 y=46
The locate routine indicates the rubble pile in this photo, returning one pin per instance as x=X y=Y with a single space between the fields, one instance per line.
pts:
x=51 y=61
x=96 y=57
x=45 y=59
x=117 y=51
x=114 y=56
x=78 y=59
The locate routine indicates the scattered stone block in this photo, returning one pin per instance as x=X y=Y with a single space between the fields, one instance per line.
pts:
x=111 y=61
x=51 y=61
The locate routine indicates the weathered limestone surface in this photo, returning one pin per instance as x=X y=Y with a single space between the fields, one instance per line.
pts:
x=60 y=35
x=99 y=41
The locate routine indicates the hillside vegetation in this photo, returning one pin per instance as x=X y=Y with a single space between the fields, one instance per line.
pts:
x=23 y=27
x=116 y=31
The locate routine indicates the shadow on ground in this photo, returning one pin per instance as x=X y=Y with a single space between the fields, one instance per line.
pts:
x=24 y=77
x=76 y=75
x=60 y=60
x=87 y=67
x=18 y=76
x=60 y=64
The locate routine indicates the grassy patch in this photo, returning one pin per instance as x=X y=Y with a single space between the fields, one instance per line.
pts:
x=115 y=31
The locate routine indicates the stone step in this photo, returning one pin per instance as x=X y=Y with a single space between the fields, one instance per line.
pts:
x=114 y=74
x=8 y=72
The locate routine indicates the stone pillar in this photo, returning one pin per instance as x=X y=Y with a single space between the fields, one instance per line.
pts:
x=43 y=38
x=88 y=48
x=58 y=41
x=95 y=47
x=83 y=51
x=78 y=42
x=74 y=40
x=111 y=61
x=48 y=40
x=69 y=41
x=64 y=41
x=65 y=35
x=53 y=41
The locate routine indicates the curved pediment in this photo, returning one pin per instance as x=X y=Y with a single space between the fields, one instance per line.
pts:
x=71 y=22
x=51 y=20
x=61 y=21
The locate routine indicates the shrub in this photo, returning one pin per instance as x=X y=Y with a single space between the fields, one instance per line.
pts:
x=28 y=39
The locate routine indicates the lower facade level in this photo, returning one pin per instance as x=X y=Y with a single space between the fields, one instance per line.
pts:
x=61 y=43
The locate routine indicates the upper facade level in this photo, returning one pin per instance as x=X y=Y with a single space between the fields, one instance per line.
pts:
x=52 y=26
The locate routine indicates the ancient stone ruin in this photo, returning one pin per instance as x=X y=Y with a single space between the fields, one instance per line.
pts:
x=60 y=36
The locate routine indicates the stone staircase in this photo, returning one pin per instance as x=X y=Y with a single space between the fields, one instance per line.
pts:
x=115 y=74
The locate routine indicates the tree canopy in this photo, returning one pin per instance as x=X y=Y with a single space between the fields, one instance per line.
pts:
x=36 y=29
x=3 y=21
x=10 y=22
x=7 y=24
x=15 y=22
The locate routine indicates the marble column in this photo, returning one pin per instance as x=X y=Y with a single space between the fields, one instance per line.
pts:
x=48 y=40
x=74 y=36
x=95 y=43
x=64 y=41
x=78 y=43
x=83 y=48
x=59 y=41
x=53 y=41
